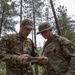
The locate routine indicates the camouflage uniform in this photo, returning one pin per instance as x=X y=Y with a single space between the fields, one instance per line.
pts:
x=10 y=47
x=60 y=53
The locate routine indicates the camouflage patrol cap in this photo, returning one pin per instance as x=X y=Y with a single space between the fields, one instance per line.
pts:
x=28 y=23
x=43 y=27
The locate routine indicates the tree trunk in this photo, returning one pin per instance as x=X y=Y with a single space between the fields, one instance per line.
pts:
x=21 y=11
x=1 y=22
x=56 y=21
x=36 y=66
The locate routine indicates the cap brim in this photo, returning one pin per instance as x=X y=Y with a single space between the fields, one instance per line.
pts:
x=30 y=27
x=43 y=30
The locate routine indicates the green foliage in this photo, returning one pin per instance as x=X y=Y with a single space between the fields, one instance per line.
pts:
x=2 y=68
x=65 y=22
x=6 y=20
x=29 y=8
x=39 y=51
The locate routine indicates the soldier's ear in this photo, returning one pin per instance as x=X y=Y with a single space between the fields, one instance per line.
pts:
x=50 y=29
x=20 y=26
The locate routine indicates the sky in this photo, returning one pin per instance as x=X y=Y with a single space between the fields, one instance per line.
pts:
x=70 y=5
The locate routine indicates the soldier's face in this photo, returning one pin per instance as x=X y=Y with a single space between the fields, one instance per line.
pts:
x=25 y=31
x=46 y=34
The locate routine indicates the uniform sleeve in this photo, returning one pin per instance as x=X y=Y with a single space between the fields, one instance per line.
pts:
x=70 y=55
x=5 y=55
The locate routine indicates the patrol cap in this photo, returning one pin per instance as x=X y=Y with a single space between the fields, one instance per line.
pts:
x=28 y=23
x=43 y=27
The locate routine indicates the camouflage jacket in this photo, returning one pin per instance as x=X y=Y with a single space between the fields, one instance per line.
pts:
x=10 y=47
x=61 y=55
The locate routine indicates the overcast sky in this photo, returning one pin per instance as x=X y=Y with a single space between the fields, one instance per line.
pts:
x=70 y=5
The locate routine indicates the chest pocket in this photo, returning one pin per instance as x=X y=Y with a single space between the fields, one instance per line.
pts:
x=10 y=43
x=52 y=49
x=27 y=47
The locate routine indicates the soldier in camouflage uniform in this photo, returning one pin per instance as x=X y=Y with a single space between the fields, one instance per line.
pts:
x=60 y=52
x=15 y=48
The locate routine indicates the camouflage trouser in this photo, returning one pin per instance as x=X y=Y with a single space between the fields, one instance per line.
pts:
x=17 y=71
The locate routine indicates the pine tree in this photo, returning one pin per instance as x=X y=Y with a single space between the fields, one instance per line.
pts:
x=65 y=22
x=7 y=14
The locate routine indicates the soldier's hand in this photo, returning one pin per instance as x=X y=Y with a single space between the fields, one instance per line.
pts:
x=22 y=57
x=43 y=61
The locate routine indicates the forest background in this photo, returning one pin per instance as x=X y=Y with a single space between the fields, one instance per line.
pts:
x=12 y=12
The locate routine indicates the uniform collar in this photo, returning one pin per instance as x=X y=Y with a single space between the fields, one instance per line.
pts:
x=19 y=36
x=54 y=37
